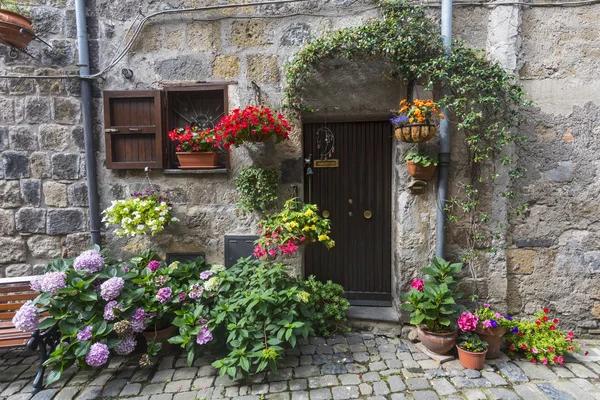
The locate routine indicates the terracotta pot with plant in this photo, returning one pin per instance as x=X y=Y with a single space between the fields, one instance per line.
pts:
x=195 y=148
x=414 y=122
x=421 y=165
x=491 y=328
x=471 y=351
x=432 y=305
x=15 y=27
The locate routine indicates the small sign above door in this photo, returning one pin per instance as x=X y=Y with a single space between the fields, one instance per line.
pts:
x=332 y=163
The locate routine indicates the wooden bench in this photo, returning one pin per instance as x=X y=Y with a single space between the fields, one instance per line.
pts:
x=14 y=292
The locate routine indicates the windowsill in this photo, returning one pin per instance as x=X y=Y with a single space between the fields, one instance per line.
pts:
x=216 y=171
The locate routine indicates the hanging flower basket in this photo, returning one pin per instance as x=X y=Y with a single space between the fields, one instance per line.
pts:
x=15 y=29
x=416 y=133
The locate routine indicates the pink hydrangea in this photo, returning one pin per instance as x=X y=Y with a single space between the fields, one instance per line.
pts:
x=26 y=319
x=90 y=260
x=468 y=322
x=153 y=265
x=85 y=333
x=204 y=275
x=53 y=282
x=36 y=283
x=164 y=294
x=98 y=355
x=126 y=346
x=204 y=336
x=138 y=321
x=109 y=313
x=111 y=289
x=418 y=284
x=196 y=291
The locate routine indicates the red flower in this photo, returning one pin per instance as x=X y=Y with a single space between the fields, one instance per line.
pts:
x=521 y=334
x=534 y=360
x=511 y=347
x=546 y=311
x=550 y=348
x=545 y=318
x=586 y=352
x=552 y=327
x=555 y=320
x=538 y=322
x=524 y=346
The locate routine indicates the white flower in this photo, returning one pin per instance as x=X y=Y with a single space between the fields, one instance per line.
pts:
x=162 y=203
x=162 y=219
x=174 y=219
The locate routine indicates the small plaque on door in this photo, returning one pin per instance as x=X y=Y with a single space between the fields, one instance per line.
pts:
x=332 y=163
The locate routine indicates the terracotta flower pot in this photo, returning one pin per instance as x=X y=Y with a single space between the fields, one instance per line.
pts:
x=493 y=337
x=16 y=31
x=415 y=133
x=197 y=160
x=471 y=360
x=420 y=172
x=440 y=343
x=162 y=336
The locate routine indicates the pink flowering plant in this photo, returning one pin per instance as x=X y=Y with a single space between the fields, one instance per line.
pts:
x=297 y=224
x=488 y=318
x=432 y=302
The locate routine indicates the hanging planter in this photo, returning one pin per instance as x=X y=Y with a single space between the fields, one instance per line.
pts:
x=414 y=122
x=415 y=133
x=15 y=29
x=194 y=148
x=421 y=165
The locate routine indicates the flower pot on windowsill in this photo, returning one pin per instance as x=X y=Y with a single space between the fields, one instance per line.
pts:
x=439 y=343
x=197 y=160
x=415 y=133
x=493 y=337
x=420 y=172
x=471 y=360
x=15 y=30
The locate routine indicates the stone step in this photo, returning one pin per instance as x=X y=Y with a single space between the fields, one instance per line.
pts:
x=376 y=320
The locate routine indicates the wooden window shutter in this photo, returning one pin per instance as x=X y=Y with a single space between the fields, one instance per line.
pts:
x=133 y=129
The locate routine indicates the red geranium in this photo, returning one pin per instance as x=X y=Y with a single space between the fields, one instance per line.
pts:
x=252 y=124
x=191 y=139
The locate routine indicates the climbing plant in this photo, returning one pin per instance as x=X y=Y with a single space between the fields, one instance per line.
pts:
x=257 y=187
x=483 y=99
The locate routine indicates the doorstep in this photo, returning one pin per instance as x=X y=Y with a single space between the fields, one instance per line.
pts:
x=376 y=320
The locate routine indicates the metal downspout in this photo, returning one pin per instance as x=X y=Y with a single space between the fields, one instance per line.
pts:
x=444 y=156
x=88 y=132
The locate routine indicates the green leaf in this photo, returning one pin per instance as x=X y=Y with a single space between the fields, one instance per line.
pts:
x=90 y=295
x=176 y=340
x=54 y=375
x=46 y=323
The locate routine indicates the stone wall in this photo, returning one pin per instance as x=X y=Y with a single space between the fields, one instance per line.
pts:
x=552 y=254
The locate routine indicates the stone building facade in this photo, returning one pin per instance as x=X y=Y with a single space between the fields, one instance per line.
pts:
x=552 y=252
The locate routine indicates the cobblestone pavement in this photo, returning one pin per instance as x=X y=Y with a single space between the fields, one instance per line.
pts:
x=345 y=367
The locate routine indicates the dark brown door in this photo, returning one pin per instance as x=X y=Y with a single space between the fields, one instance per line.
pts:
x=357 y=196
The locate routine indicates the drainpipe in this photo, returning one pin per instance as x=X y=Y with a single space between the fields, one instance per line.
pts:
x=88 y=132
x=444 y=156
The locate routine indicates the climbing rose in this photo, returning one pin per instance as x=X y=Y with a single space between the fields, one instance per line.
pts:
x=417 y=284
x=153 y=265
x=53 y=282
x=126 y=346
x=90 y=260
x=138 y=321
x=468 y=322
x=109 y=313
x=165 y=294
x=85 y=333
x=98 y=355
x=205 y=275
x=204 y=336
x=26 y=319
x=111 y=289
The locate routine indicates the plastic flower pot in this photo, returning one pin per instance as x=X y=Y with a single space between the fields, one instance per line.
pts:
x=197 y=160
x=420 y=172
x=494 y=338
x=415 y=133
x=15 y=30
x=471 y=360
x=439 y=343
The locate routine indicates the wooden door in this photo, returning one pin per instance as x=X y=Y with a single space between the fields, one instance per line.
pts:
x=361 y=260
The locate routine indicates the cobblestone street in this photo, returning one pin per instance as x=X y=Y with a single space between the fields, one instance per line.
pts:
x=345 y=367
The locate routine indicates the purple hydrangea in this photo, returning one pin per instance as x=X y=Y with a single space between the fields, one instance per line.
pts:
x=182 y=296
x=160 y=280
x=204 y=336
x=196 y=291
x=53 y=282
x=126 y=346
x=98 y=355
x=153 y=265
x=85 y=333
x=111 y=289
x=36 y=283
x=138 y=321
x=26 y=319
x=109 y=310
x=90 y=260
x=164 y=294
x=205 y=275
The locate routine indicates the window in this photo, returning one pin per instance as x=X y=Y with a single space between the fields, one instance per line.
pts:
x=137 y=122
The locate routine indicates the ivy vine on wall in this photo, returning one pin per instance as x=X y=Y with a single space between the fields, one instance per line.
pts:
x=483 y=99
x=257 y=187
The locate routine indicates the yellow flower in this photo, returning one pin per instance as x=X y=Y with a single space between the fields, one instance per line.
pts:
x=323 y=238
x=315 y=219
x=331 y=244
x=313 y=227
x=308 y=213
x=293 y=224
x=306 y=228
x=284 y=219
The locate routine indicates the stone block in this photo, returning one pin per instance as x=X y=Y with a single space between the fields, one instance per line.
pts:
x=185 y=68
x=248 y=33
x=262 y=68
x=61 y=222
x=10 y=194
x=521 y=262
x=175 y=38
x=40 y=165
x=37 y=110
x=151 y=40
x=4 y=134
x=21 y=86
x=296 y=34
x=533 y=242
x=7 y=111
x=78 y=194
x=77 y=243
x=56 y=137
x=16 y=165
x=55 y=194
x=14 y=270
x=31 y=192
x=46 y=20
x=7 y=222
x=12 y=250
x=23 y=138
x=31 y=220
x=65 y=166
x=67 y=110
x=42 y=246
x=226 y=67
x=61 y=54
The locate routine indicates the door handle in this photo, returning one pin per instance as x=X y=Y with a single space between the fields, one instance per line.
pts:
x=368 y=214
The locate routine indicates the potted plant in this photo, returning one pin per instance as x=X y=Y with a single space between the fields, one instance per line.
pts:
x=257 y=188
x=471 y=351
x=414 y=122
x=296 y=225
x=491 y=328
x=432 y=305
x=195 y=148
x=16 y=29
x=251 y=125
x=421 y=165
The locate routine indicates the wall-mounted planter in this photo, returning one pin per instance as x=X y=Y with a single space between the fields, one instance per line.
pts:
x=420 y=172
x=15 y=29
x=198 y=160
x=416 y=133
